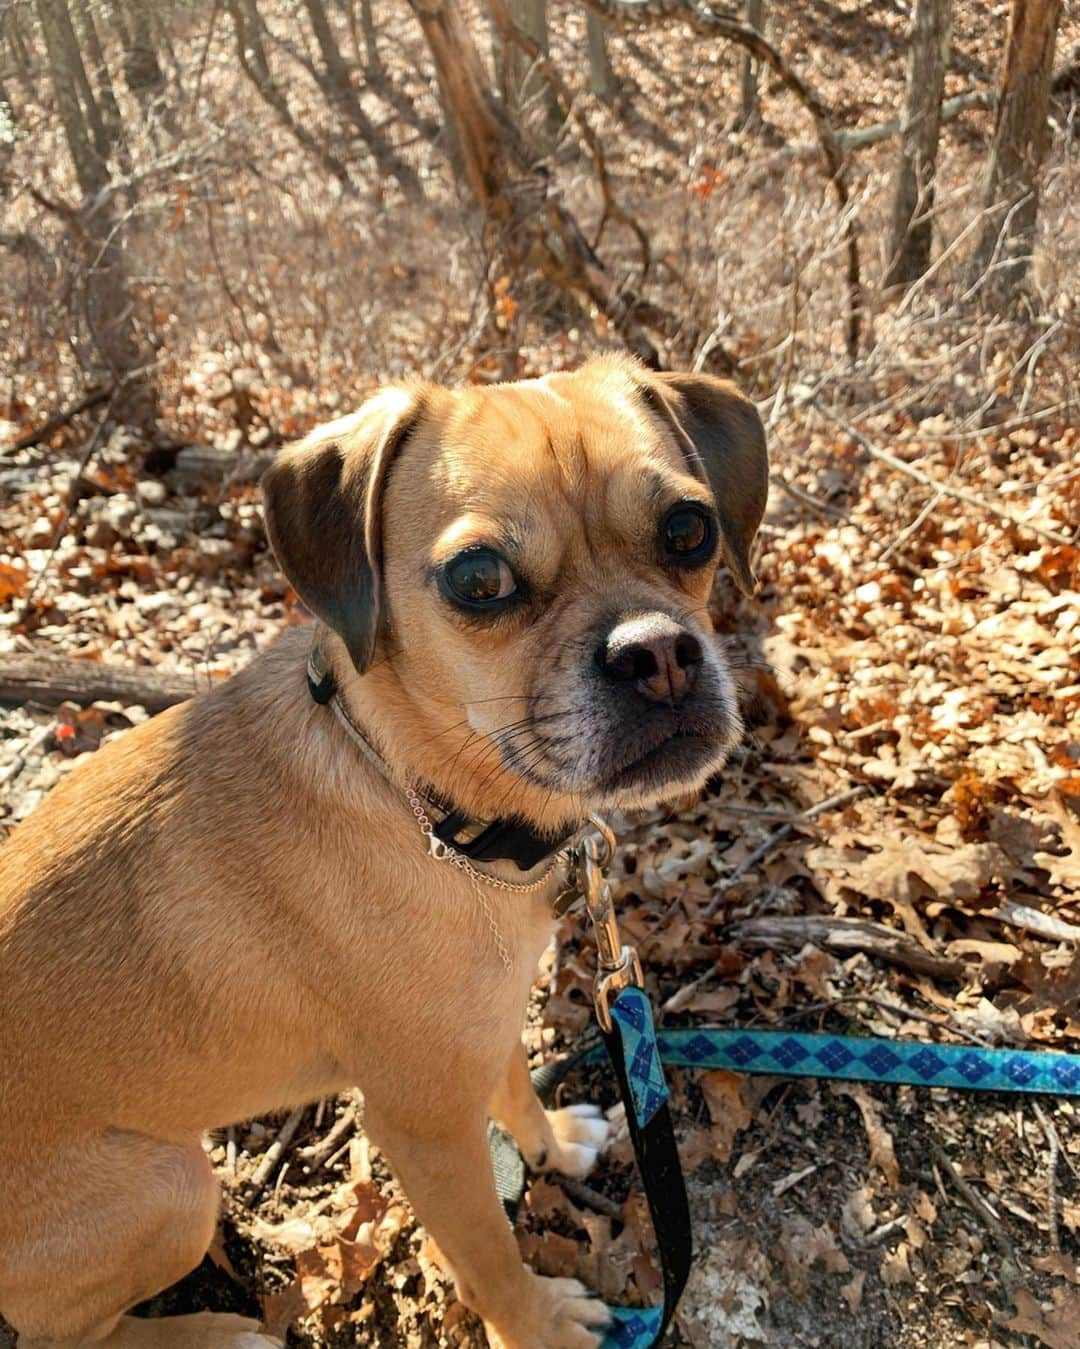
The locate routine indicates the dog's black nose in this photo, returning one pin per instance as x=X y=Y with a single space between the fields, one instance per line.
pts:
x=655 y=655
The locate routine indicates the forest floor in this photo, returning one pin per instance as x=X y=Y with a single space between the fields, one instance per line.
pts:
x=913 y=652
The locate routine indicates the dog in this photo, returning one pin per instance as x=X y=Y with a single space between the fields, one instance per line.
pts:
x=245 y=903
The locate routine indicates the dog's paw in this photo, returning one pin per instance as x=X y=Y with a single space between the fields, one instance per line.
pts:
x=563 y=1314
x=576 y=1318
x=580 y=1133
x=223 y=1330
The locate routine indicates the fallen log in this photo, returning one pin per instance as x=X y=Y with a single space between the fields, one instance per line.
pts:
x=51 y=680
x=843 y=936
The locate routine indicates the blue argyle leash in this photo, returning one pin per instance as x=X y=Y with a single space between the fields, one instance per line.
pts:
x=631 y=1044
x=639 y=1053
x=626 y=1024
x=865 y=1058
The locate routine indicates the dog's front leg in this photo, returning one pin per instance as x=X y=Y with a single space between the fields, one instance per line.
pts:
x=441 y=1157
x=567 y=1140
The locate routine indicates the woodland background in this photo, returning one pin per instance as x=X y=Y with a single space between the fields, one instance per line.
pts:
x=222 y=221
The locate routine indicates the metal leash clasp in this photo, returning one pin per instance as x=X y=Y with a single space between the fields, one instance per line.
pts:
x=618 y=966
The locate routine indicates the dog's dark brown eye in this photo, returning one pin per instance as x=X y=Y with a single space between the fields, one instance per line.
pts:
x=478 y=577
x=688 y=535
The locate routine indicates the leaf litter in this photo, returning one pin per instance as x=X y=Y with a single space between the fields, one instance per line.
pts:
x=940 y=674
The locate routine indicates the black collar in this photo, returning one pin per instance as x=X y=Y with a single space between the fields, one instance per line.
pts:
x=512 y=840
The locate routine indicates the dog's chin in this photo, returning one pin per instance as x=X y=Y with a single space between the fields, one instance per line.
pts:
x=679 y=765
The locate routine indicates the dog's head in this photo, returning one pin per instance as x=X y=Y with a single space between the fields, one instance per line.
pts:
x=521 y=575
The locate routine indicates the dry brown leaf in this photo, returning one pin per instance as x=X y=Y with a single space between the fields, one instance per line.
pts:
x=1057 y=1262
x=882 y=1152
x=549 y=1253
x=1056 y=1328
x=852 y=1292
x=905 y=868
x=802 y=1246
x=895 y=1269
x=1064 y=867
x=723 y=1092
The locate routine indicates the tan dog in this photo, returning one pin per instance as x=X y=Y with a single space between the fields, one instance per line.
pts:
x=231 y=909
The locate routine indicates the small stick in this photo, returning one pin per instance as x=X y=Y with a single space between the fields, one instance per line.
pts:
x=1051 y=1174
x=317 y=1153
x=69 y=506
x=337 y=1156
x=273 y=1154
x=33 y=744
x=778 y=836
x=230 y=1149
x=62 y=418
x=907 y=532
x=943 y=489
x=585 y=1194
x=974 y=1201
x=1034 y=920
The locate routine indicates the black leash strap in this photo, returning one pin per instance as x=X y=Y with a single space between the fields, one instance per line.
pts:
x=635 y=1057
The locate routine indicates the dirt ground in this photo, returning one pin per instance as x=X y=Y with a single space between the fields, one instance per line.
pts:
x=911 y=652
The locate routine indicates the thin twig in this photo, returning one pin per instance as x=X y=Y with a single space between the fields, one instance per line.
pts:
x=585 y=1194
x=69 y=506
x=778 y=836
x=1054 y=1143
x=945 y=489
x=975 y=1202
x=274 y=1153
x=823 y=508
x=907 y=1013
x=1034 y=920
x=910 y=529
x=318 y=1153
x=35 y=437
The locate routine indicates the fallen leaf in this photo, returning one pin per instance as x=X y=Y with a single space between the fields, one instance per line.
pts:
x=723 y=1092
x=882 y=1153
x=895 y=1269
x=802 y=1246
x=852 y=1292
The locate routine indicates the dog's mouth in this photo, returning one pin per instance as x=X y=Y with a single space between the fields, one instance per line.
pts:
x=632 y=767
x=680 y=756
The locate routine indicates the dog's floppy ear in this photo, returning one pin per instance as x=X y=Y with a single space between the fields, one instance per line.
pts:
x=323 y=504
x=724 y=441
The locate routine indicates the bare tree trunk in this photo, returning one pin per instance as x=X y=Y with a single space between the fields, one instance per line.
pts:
x=96 y=225
x=528 y=98
x=251 y=53
x=371 y=60
x=704 y=19
x=1011 y=200
x=76 y=72
x=603 y=82
x=142 y=69
x=22 y=66
x=118 y=22
x=376 y=76
x=749 y=109
x=913 y=192
x=110 y=109
x=527 y=227
x=337 y=86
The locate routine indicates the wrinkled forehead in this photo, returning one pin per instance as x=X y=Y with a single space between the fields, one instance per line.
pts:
x=569 y=448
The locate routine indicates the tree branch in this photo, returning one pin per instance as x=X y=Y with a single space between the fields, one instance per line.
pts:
x=636 y=13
